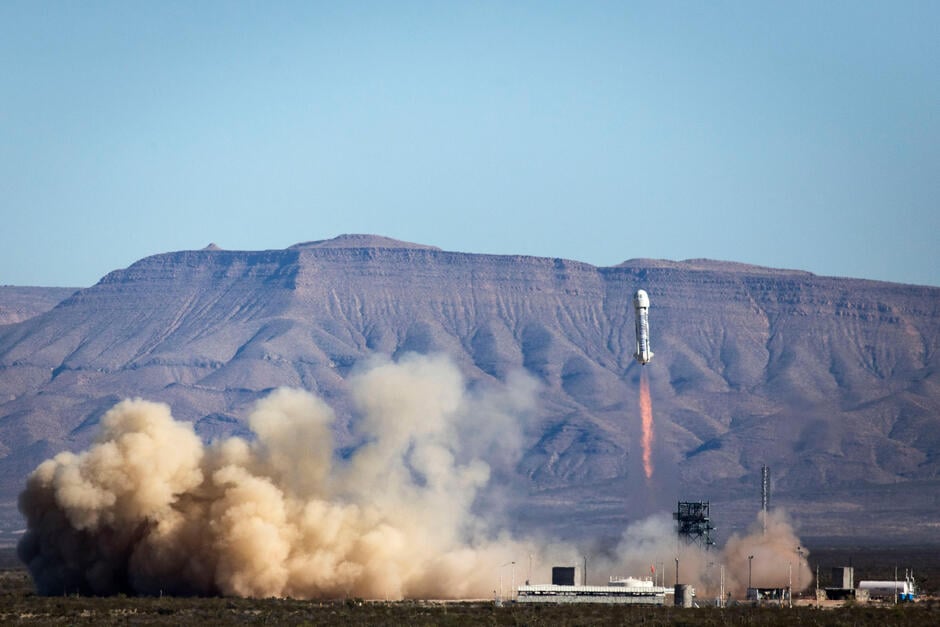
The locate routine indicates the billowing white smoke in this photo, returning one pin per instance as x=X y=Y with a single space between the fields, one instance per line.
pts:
x=148 y=508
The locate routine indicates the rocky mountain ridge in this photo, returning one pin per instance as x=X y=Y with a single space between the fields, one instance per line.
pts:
x=832 y=382
x=21 y=303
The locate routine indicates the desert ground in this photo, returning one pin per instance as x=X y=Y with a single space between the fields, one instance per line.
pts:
x=19 y=604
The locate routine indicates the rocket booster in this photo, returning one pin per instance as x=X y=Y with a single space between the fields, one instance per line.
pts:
x=641 y=305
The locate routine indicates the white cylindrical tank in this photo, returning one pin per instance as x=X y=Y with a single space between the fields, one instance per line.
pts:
x=886 y=588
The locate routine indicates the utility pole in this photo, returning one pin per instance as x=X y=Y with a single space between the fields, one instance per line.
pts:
x=790 y=583
x=750 y=559
x=501 y=576
x=817 y=586
x=799 y=570
x=721 y=599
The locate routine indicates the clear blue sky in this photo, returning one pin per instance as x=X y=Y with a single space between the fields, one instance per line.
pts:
x=787 y=134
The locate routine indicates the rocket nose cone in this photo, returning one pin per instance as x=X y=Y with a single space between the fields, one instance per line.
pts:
x=641 y=299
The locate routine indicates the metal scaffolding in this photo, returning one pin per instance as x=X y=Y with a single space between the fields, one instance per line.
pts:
x=693 y=523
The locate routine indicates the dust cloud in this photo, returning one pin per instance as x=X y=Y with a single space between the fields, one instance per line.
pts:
x=651 y=545
x=776 y=562
x=149 y=509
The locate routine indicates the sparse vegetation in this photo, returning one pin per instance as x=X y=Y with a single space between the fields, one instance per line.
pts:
x=19 y=605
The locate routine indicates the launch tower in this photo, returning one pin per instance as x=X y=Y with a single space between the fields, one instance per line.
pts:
x=694 y=524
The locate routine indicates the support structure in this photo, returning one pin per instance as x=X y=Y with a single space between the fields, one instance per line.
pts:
x=764 y=496
x=694 y=524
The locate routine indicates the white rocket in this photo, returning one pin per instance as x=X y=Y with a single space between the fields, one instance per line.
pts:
x=641 y=304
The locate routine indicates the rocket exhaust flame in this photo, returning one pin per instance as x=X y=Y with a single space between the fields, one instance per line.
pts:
x=646 y=415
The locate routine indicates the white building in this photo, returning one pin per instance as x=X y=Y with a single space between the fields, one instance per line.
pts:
x=618 y=591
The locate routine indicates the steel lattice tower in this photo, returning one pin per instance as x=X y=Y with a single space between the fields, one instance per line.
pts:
x=693 y=523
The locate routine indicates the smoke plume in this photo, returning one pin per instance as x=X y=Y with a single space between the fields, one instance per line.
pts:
x=149 y=509
x=652 y=544
x=775 y=563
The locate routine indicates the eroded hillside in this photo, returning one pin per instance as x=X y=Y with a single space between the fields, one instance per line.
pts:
x=832 y=382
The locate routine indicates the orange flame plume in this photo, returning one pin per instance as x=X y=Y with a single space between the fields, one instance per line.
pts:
x=646 y=412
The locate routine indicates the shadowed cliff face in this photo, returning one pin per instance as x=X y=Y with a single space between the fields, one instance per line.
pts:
x=831 y=382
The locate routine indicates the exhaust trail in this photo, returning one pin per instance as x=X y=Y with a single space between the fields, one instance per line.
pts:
x=646 y=414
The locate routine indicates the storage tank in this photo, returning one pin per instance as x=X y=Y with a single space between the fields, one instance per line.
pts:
x=903 y=589
x=683 y=595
